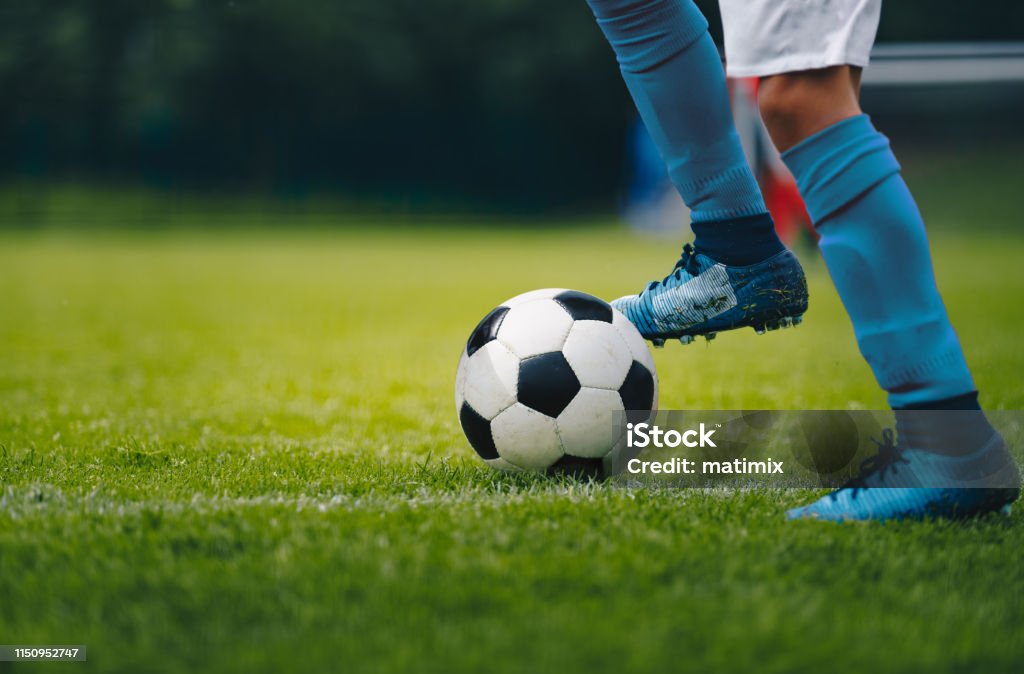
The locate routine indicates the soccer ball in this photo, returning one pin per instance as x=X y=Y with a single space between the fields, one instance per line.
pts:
x=544 y=376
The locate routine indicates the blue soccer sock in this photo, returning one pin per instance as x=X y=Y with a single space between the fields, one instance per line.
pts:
x=874 y=243
x=674 y=73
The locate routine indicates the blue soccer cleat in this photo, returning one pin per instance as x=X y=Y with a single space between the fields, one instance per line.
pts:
x=703 y=297
x=904 y=483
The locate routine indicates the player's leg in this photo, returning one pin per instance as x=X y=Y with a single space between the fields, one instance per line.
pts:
x=874 y=244
x=872 y=236
x=673 y=71
x=795 y=106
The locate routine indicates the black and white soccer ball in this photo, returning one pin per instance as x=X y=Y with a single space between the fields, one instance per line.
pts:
x=544 y=381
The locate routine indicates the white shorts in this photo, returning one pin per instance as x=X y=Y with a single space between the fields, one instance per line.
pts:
x=769 y=37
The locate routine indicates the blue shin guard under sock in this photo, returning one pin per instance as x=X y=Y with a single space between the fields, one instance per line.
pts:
x=874 y=243
x=675 y=76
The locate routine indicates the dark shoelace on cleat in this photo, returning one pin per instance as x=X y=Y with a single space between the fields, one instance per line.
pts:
x=890 y=454
x=687 y=262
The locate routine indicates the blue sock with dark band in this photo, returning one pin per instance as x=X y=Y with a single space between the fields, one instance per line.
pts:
x=739 y=242
x=952 y=426
x=674 y=73
x=874 y=243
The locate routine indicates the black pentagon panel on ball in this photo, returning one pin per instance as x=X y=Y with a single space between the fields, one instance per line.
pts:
x=478 y=431
x=547 y=383
x=578 y=467
x=584 y=307
x=637 y=392
x=486 y=330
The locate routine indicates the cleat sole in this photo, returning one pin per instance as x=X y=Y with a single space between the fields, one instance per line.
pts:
x=762 y=328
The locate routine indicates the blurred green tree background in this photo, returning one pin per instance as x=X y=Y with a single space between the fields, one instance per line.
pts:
x=460 y=101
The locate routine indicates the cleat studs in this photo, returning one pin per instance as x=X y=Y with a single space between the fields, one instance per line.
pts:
x=759 y=328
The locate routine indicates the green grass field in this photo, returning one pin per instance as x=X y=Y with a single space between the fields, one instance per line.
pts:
x=238 y=452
